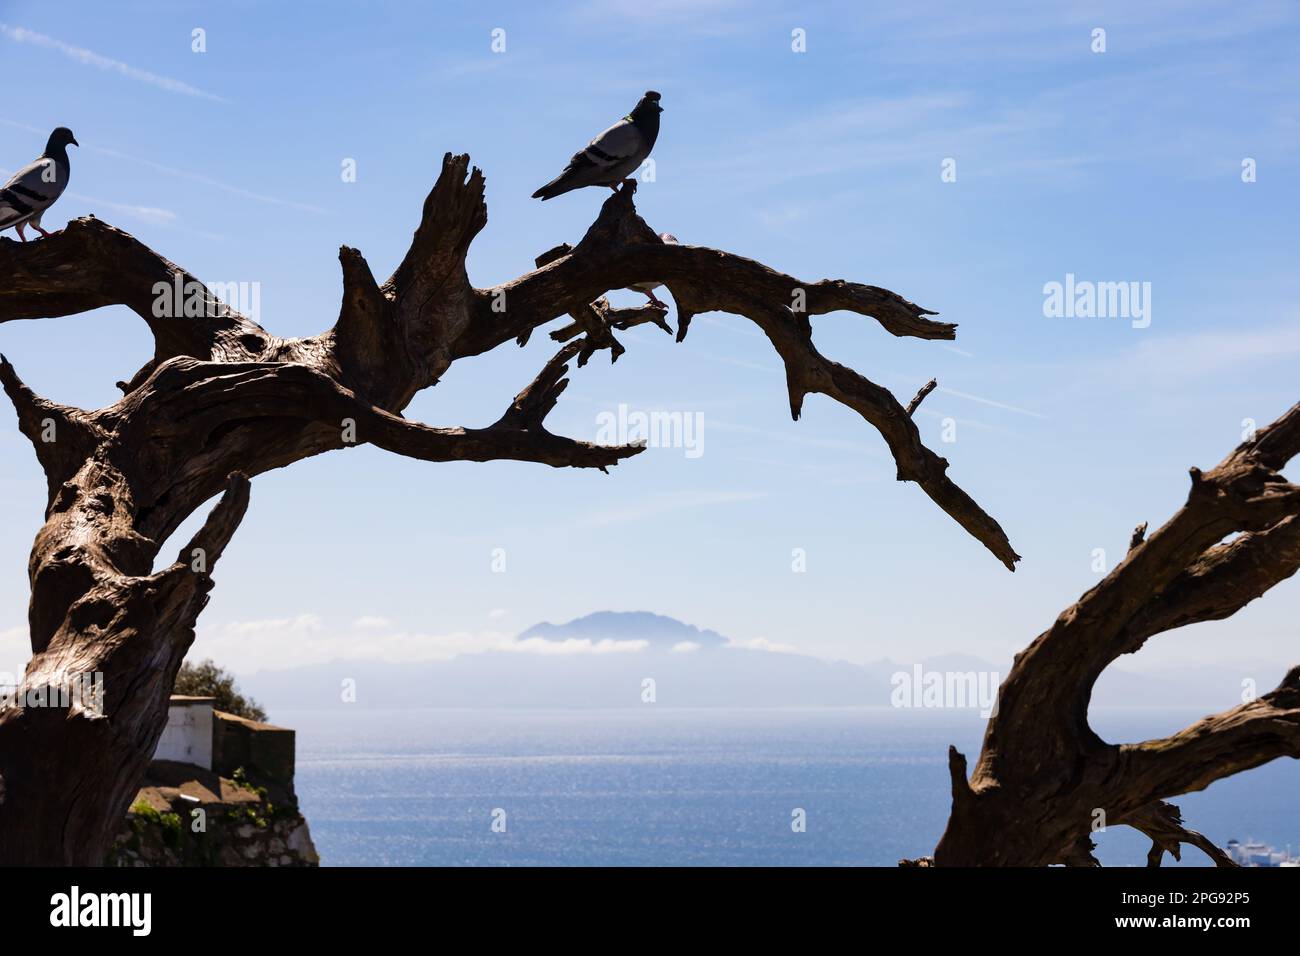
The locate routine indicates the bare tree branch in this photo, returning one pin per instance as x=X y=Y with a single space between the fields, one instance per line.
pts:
x=1163 y=823
x=1139 y=535
x=62 y=436
x=90 y=264
x=620 y=250
x=221 y=525
x=1217 y=746
x=1043 y=772
x=917 y=399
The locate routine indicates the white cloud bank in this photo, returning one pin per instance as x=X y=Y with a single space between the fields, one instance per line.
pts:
x=305 y=639
x=248 y=647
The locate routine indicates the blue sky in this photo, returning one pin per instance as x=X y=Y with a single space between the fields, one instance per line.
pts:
x=1116 y=166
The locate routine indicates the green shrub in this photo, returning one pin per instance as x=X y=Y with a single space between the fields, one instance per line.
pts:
x=206 y=679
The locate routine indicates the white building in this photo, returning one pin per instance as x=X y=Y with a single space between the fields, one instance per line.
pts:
x=187 y=738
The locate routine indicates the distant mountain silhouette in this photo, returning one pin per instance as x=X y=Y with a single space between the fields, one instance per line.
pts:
x=592 y=662
x=659 y=630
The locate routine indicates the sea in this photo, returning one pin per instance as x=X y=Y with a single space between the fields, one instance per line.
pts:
x=658 y=786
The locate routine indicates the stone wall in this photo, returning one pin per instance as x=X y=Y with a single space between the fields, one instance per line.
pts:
x=258 y=748
x=187 y=816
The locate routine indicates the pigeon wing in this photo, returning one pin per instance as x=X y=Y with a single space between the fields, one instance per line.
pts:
x=30 y=191
x=607 y=159
x=616 y=145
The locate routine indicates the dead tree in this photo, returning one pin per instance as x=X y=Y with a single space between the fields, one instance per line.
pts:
x=222 y=400
x=1043 y=774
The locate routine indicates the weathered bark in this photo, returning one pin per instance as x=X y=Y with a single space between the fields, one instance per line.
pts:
x=1043 y=774
x=222 y=401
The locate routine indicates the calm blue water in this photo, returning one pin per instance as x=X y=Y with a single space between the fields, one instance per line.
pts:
x=657 y=786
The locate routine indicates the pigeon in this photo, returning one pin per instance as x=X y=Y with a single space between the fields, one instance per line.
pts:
x=35 y=187
x=614 y=154
x=649 y=287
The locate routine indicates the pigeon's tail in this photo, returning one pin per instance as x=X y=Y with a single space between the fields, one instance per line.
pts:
x=552 y=189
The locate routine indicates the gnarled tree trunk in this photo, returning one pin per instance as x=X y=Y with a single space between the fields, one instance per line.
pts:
x=1044 y=779
x=222 y=401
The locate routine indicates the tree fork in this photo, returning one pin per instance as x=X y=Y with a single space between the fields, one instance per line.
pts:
x=222 y=400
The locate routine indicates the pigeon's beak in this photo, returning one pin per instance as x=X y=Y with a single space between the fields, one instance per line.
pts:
x=75 y=143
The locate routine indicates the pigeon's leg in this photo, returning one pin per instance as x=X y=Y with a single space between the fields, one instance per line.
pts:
x=654 y=300
x=19 y=227
x=614 y=186
x=40 y=230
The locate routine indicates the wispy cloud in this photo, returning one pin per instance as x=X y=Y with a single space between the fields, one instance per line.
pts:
x=967 y=396
x=1128 y=109
x=302 y=624
x=1043 y=32
x=208 y=181
x=305 y=639
x=1167 y=360
x=763 y=644
x=152 y=214
x=735 y=324
x=970 y=422
x=842 y=136
x=185 y=174
x=91 y=58
x=279 y=643
x=539 y=645
x=990 y=402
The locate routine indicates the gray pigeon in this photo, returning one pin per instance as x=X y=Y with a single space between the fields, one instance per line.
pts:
x=35 y=187
x=648 y=288
x=613 y=155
